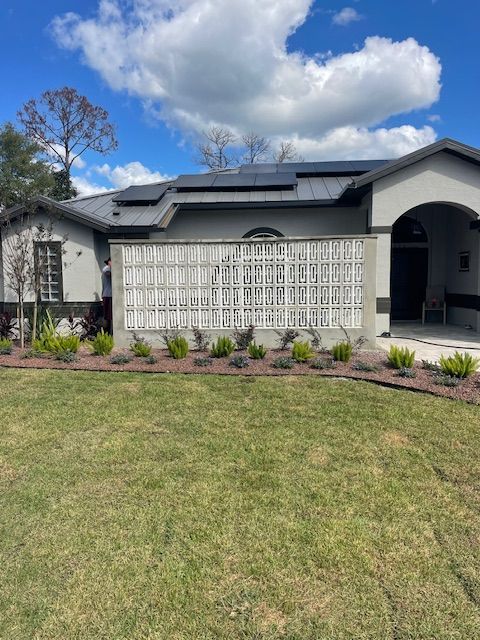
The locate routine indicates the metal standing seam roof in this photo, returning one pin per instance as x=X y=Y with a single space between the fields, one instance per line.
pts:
x=102 y=207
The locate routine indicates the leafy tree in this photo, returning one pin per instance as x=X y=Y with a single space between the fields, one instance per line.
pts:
x=63 y=188
x=66 y=125
x=22 y=173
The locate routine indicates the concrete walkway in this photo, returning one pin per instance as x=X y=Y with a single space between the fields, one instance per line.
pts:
x=430 y=341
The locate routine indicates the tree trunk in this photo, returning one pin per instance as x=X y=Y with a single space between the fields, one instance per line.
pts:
x=22 y=325
x=34 y=320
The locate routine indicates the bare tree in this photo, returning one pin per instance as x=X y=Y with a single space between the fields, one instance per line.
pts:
x=17 y=259
x=287 y=152
x=215 y=153
x=256 y=148
x=25 y=263
x=66 y=124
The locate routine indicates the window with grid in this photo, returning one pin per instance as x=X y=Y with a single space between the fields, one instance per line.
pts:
x=48 y=257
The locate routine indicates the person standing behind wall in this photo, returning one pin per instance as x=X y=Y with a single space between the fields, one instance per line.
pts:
x=107 y=294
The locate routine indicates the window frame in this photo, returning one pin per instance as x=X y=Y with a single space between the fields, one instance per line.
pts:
x=56 y=245
x=263 y=233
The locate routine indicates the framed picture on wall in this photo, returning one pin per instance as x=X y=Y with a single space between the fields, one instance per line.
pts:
x=464 y=261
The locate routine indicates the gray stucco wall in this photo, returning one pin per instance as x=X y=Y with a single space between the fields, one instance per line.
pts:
x=235 y=223
x=439 y=179
x=81 y=279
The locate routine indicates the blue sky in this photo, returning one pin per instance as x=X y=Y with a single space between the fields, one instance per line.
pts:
x=300 y=71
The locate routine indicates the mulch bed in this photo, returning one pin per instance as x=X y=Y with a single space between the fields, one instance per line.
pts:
x=468 y=390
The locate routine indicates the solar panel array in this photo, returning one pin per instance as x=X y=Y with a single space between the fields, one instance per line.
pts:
x=235 y=181
x=311 y=169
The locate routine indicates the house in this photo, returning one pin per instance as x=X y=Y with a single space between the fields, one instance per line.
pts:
x=351 y=244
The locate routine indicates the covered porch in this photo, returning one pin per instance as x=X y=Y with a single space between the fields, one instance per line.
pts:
x=431 y=340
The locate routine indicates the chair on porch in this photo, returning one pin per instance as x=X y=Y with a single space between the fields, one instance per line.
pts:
x=435 y=301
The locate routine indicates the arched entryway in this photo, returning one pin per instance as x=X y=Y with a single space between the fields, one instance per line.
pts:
x=409 y=271
x=434 y=246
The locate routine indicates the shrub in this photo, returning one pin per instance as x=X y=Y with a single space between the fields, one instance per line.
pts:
x=243 y=337
x=201 y=339
x=55 y=343
x=365 y=366
x=140 y=347
x=342 y=351
x=222 y=348
x=283 y=362
x=178 y=348
x=120 y=358
x=256 y=351
x=302 y=351
x=102 y=344
x=202 y=362
x=446 y=381
x=355 y=344
x=65 y=356
x=406 y=372
x=32 y=353
x=286 y=337
x=7 y=325
x=400 y=357
x=167 y=335
x=151 y=360
x=240 y=361
x=460 y=365
x=87 y=325
x=5 y=346
x=315 y=338
x=323 y=363
x=430 y=366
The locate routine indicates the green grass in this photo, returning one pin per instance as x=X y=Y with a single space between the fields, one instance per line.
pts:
x=188 y=508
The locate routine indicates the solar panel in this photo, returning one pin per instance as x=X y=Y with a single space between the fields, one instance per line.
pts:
x=149 y=193
x=295 y=167
x=264 y=167
x=193 y=182
x=367 y=165
x=276 y=180
x=234 y=181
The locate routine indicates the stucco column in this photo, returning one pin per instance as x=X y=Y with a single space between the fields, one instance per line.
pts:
x=383 y=266
x=118 y=301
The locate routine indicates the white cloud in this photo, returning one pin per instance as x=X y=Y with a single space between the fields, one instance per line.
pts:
x=132 y=173
x=199 y=62
x=346 y=16
x=434 y=117
x=85 y=187
x=350 y=143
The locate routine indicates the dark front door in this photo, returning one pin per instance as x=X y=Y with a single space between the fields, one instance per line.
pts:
x=409 y=281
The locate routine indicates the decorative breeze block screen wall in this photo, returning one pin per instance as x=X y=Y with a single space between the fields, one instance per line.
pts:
x=271 y=284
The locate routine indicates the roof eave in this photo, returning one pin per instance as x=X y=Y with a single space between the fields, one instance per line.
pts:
x=68 y=211
x=446 y=144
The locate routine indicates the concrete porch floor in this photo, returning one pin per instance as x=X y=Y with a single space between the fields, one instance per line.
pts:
x=430 y=341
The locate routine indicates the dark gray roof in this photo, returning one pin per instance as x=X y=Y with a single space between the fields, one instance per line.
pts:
x=289 y=184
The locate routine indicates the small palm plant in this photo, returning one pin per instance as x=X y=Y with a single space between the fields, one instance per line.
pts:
x=342 y=351
x=256 y=351
x=222 y=348
x=102 y=344
x=460 y=365
x=400 y=357
x=302 y=351
x=178 y=348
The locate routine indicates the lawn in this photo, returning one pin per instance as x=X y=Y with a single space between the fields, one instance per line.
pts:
x=204 y=507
